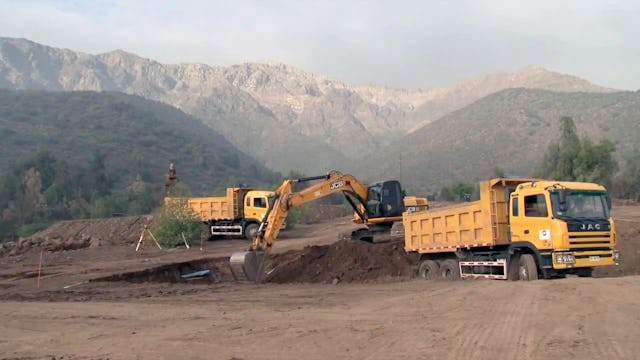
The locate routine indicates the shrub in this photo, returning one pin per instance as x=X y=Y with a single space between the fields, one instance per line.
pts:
x=30 y=229
x=172 y=220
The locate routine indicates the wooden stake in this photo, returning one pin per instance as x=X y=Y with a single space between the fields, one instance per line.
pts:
x=154 y=238
x=40 y=267
x=185 y=240
x=141 y=237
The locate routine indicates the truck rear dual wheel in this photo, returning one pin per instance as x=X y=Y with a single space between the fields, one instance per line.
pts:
x=450 y=270
x=429 y=270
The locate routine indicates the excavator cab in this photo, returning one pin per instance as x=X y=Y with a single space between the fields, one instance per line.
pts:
x=384 y=199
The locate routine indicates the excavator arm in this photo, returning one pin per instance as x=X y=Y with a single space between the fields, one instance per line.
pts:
x=286 y=198
x=248 y=265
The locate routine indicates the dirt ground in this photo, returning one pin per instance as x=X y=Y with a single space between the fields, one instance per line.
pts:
x=109 y=302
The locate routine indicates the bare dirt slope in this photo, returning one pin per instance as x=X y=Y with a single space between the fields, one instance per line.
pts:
x=79 y=234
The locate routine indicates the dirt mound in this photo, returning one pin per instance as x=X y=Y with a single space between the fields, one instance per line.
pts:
x=628 y=235
x=344 y=261
x=78 y=234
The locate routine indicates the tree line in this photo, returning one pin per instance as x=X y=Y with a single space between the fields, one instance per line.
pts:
x=573 y=158
x=44 y=189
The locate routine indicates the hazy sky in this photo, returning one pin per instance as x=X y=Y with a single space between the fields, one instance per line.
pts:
x=408 y=44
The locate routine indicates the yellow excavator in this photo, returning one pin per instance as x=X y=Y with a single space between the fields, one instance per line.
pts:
x=378 y=206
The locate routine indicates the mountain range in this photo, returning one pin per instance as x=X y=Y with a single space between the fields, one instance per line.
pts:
x=290 y=119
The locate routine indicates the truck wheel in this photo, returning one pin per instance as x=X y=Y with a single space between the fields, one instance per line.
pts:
x=429 y=270
x=527 y=269
x=250 y=230
x=584 y=272
x=449 y=270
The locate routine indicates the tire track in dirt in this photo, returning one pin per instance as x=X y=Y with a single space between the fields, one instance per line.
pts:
x=503 y=322
x=516 y=332
x=581 y=321
x=405 y=343
x=601 y=323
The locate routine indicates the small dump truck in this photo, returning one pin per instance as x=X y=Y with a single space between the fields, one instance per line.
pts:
x=519 y=229
x=239 y=213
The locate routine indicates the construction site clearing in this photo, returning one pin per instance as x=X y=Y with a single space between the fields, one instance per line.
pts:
x=322 y=295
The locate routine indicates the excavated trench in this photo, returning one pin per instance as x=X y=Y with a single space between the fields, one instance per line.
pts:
x=210 y=270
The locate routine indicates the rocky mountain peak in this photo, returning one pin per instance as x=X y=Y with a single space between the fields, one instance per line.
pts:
x=348 y=119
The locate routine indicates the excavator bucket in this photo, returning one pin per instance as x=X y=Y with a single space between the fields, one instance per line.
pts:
x=247 y=265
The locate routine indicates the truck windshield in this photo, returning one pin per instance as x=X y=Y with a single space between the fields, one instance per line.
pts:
x=581 y=204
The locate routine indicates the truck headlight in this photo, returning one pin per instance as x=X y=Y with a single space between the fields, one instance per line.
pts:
x=565 y=258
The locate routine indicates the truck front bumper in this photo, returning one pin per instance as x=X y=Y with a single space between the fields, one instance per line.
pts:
x=584 y=258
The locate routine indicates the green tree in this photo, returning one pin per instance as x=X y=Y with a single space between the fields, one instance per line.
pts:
x=98 y=183
x=45 y=163
x=102 y=208
x=140 y=199
x=627 y=183
x=460 y=191
x=575 y=159
x=446 y=194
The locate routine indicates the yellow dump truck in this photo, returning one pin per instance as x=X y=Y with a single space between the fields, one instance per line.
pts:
x=519 y=229
x=239 y=213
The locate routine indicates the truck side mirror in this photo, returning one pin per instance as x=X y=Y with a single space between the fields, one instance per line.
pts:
x=608 y=201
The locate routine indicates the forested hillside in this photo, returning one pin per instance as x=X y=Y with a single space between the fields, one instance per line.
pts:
x=509 y=130
x=84 y=154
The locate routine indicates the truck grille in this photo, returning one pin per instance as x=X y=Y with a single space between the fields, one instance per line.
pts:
x=589 y=240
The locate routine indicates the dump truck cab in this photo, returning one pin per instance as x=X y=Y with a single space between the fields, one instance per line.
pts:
x=566 y=225
x=256 y=204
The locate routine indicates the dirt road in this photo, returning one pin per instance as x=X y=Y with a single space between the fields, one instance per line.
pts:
x=568 y=318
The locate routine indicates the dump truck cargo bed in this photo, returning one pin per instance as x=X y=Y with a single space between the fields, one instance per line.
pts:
x=475 y=224
x=227 y=207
